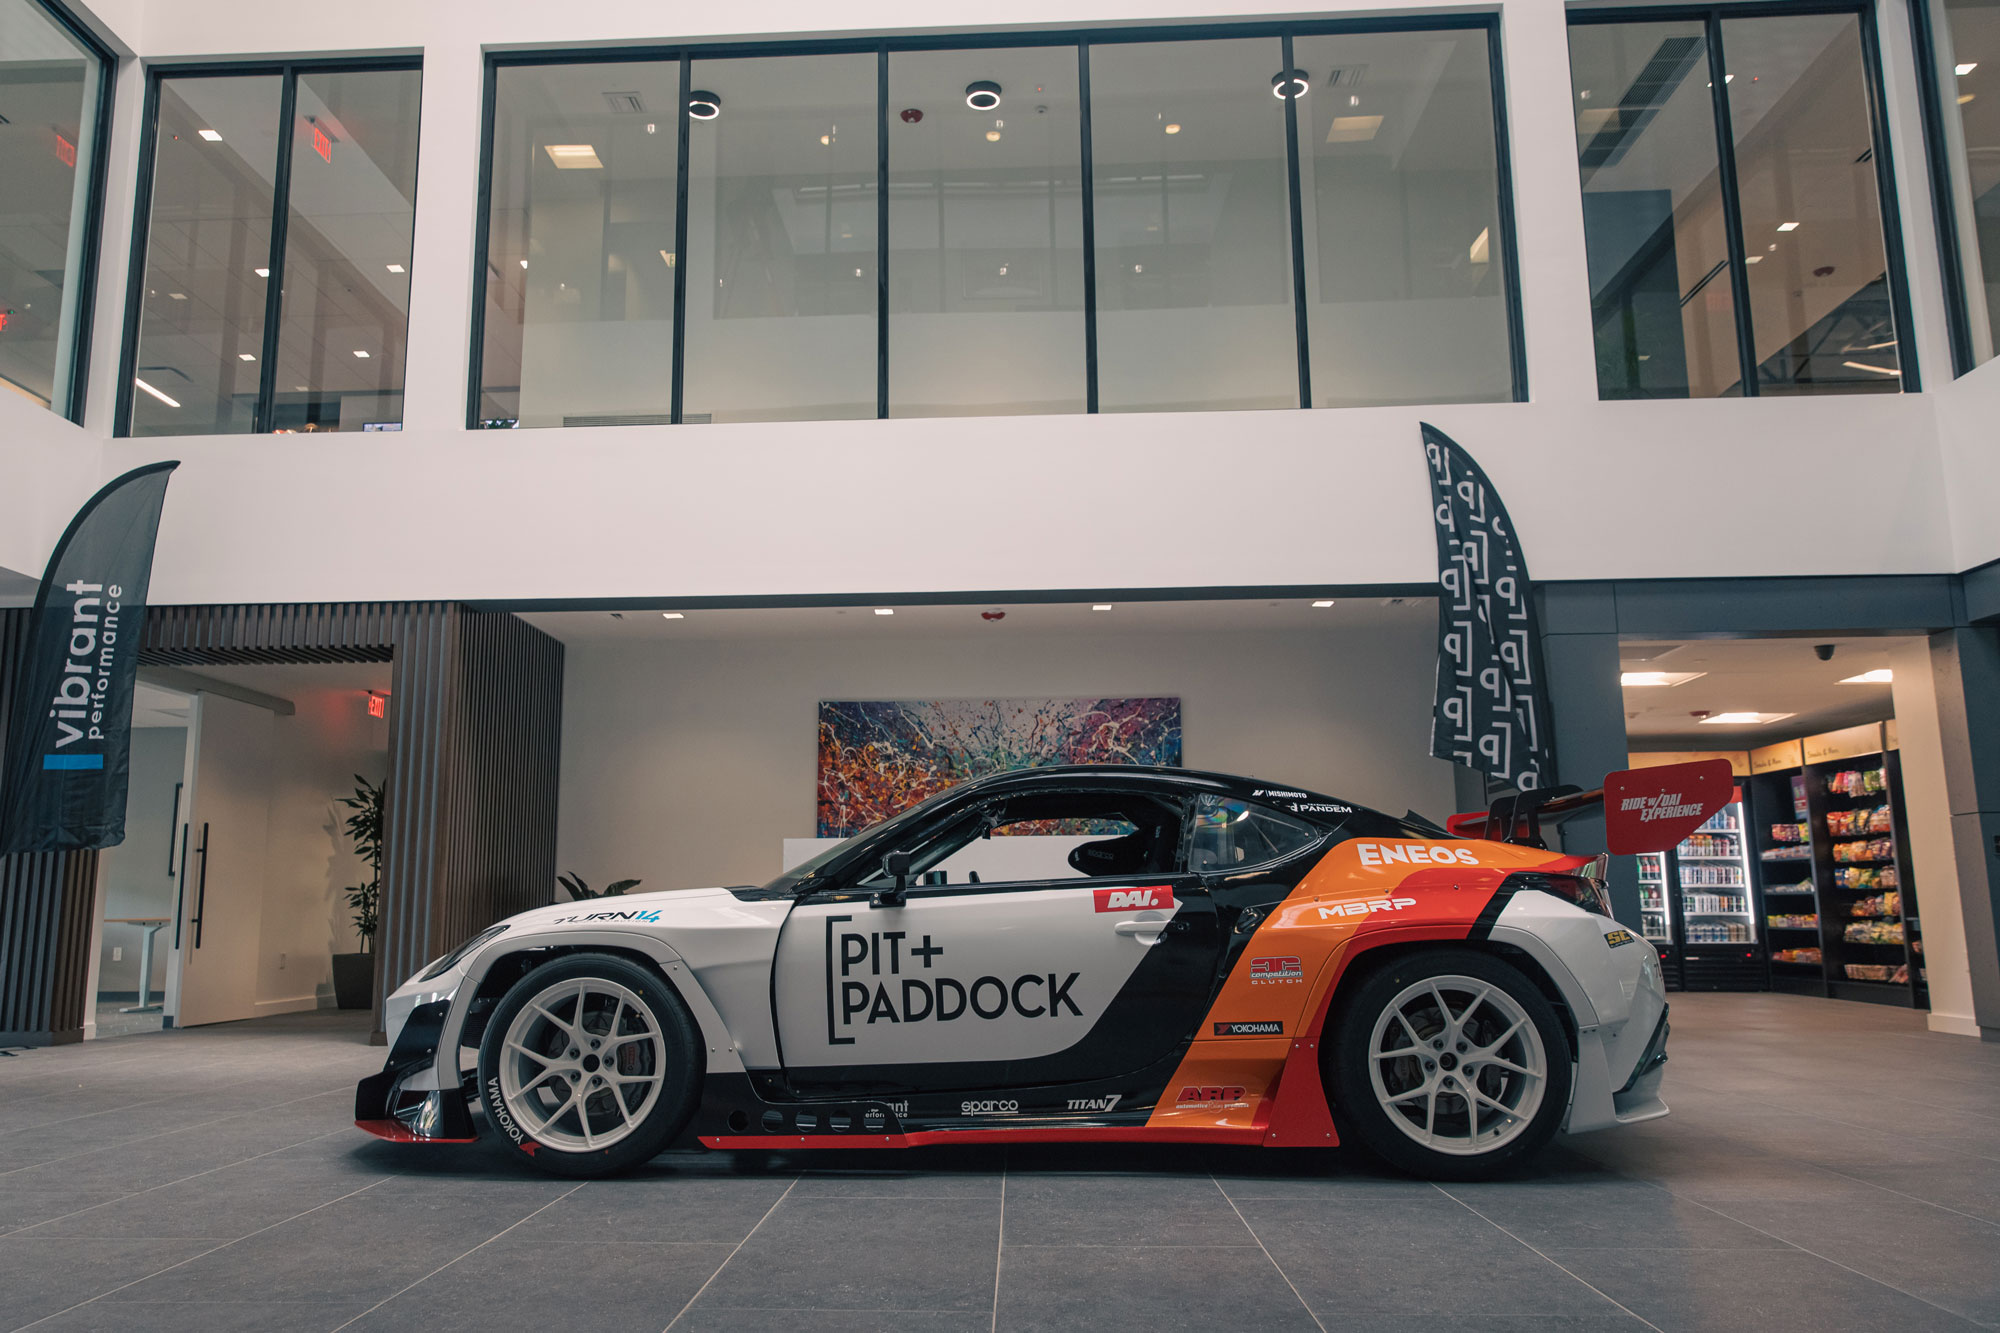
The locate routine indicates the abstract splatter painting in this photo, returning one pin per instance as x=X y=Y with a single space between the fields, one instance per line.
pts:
x=877 y=759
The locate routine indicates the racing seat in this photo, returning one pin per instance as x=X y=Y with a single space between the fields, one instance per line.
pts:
x=1131 y=854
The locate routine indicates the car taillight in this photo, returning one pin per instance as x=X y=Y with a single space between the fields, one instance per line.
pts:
x=1579 y=888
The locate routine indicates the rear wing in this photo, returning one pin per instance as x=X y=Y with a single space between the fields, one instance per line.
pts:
x=1645 y=809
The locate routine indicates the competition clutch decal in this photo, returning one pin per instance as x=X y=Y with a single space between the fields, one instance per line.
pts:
x=892 y=976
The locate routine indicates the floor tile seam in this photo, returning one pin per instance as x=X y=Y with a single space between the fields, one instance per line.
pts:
x=1914 y=1198
x=1135 y=1245
x=169 y=1133
x=1807 y=1249
x=731 y=1255
x=1545 y=1258
x=202 y=1255
x=1848 y=1124
x=1269 y=1258
x=126 y=1198
x=999 y=1242
x=474 y=1250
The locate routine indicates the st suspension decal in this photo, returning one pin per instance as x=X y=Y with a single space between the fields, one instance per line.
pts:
x=895 y=976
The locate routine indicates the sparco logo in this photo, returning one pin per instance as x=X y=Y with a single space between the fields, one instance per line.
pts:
x=989 y=1108
x=78 y=705
x=1158 y=898
x=1363 y=906
x=1095 y=1103
x=496 y=1106
x=853 y=955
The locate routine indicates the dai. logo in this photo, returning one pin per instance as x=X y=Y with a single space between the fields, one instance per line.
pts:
x=1158 y=898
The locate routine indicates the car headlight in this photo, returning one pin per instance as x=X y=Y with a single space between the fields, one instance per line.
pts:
x=451 y=960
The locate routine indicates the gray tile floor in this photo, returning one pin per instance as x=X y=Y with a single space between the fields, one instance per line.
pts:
x=1827 y=1166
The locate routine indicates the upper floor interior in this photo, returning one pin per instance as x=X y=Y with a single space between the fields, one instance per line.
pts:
x=504 y=303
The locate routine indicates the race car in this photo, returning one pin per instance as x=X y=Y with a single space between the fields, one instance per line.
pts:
x=1194 y=958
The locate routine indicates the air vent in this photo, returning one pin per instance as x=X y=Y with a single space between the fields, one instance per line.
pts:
x=1617 y=129
x=1346 y=77
x=625 y=104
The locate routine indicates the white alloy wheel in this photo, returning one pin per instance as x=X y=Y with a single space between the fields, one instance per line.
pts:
x=1457 y=1065
x=582 y=1064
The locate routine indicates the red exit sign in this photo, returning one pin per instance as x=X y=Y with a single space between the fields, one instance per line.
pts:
x=65 y=151
x=378 y=705
x=324 y=147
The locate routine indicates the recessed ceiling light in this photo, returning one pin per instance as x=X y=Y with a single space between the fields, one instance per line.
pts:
x=1353 y=129
x=524 y=263
x=1101 y=606
x=668 y=255
x=177 y=296
x=1174 y=128
x=1877 y=370
x=155 y=392
x=704 y=105
x=245 y=356
x=1628 y=679
x=397 y=268
x=1965 y=69
x=1963 y=98
x=885 y=610
x=573 y=156
x=672 y=615
x=1323 y=604
x=361 y=352
x=263 y=272
x=1482 y=246
x=1879 y=676
x=993 y=136
x=213 y=137
x=1288 y=85
x=1753 y=259
x=1743 y=719
x=982 y=95
x=1788 y=226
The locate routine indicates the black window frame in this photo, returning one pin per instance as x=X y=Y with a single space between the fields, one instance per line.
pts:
x=93 y=209
x=1711 y=17
x=281 y=206
x=1081 y=39
x=1944 y=211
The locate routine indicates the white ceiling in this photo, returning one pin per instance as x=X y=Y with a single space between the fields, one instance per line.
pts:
x=1753 y=676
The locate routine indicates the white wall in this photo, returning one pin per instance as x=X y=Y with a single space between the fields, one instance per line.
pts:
x=133 y=878
x=689 y=765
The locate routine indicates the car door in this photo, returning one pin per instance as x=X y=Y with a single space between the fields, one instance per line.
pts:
x=1028 y=982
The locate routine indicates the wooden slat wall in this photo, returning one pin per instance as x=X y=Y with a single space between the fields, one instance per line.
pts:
x=475 y=722
x=47 y=907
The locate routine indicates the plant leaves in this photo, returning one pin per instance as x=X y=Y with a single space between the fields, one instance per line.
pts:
x=618 y=887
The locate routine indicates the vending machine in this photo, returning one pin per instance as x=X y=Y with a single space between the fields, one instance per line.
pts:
x=1702 y=900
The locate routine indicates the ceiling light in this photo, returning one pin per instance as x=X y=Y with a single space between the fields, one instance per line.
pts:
x=1174 y=128
x=1743 y=719
x=982 y=95
x=361 y=352
x=826 y=140
x=263 y=272
x=245 y=356
x=993 y=136
x=524 y=263
x=1323 y=604
x=885 y=611
x=213 y=137
x=1101 y=606
x=573 y=156
x=1353 y=129
x=1482 y=246
x=1629 y=679
x=1960 y=70
x=155 y=392
x=1963 y=98
x=1138 y=268
x=1880 y=675
x=672 y=615
x=668 y=255
x=397 y=268
x=1286 y=86
x=1878 y=370
x=1753 y=259
x=1788 y=226
x=702 y=105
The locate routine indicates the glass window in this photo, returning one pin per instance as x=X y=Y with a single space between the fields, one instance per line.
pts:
x=1965 y=37
x=49 y=91
x=347 y=251
x=1819 y=277
x=581 y=247
x=1405 y=257
x=1193 y=231
x=342 y=300
x=985 y=233
x=1230 y=834
x=782 y=281
x=1661 y=301
x=208 y=256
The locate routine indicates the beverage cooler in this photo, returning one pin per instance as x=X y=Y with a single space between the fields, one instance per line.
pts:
x=1698 y=905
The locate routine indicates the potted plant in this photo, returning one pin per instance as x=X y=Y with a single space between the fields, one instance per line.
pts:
x=581 y=891
x=354 y=973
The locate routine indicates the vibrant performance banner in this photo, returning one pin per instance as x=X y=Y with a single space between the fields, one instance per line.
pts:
x=1492 y=710
x=69 y=736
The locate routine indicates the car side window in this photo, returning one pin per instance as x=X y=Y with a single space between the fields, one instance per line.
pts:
x=1040 y=837
x=1232 y=834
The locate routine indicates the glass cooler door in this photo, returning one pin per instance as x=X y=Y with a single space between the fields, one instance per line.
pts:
x=1713 y=868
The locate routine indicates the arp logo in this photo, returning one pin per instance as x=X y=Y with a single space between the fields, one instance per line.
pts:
x=1364 y=907
x=1270 y=971
x=1157 y=898
x=1193 y=1095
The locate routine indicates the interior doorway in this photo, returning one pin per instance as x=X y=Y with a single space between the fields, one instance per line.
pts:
x=237 y=860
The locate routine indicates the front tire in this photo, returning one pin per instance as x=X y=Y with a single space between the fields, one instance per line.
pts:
x=1450 y=1064
x=590 y=1065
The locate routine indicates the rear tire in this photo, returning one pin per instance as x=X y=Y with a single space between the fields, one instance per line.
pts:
x=1449 y=1064
x=590 y=1065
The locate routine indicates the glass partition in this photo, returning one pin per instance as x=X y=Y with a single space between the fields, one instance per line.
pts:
x=1965 y=53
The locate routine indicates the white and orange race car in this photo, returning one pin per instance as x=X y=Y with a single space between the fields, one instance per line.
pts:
x=1199 y=959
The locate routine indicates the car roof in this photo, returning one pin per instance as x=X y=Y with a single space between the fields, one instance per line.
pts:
x=1055 y=777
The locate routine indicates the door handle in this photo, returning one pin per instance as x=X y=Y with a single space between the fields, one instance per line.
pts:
x=1153 y=928
x=201 y=885
x=180 y=886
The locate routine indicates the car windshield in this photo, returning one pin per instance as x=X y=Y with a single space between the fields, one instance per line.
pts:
x=790 y=881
